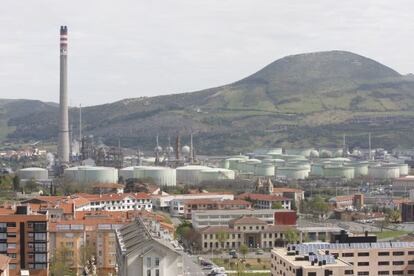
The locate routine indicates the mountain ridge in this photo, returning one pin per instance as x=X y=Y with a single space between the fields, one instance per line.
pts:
x=332 y=89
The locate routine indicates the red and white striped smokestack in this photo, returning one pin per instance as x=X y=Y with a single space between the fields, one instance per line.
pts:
x=63 y=144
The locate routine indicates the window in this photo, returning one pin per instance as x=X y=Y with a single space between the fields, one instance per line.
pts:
x=383 y=263
x=411 y=262
x=12 y=255
x=11 y=224
x=157 y=261
x=349 y=272
x=398 y=272
x=40 y=258
x=361 y=273
x=410 y=252
x=11 y=246
x=383 y=253
x=3 y=236
x=11 y=234
x=3 y=247
x=383 y=272
x=311 y=273
x=40 y=247
x=363 y=263
x=12 y=266
x=410 y=272
x=398 y=262
x=398 y=253
x=157 y=272
x=363 y=254
x=148 y=272
x=148 y=261
x=40 y=236
x=347 y=254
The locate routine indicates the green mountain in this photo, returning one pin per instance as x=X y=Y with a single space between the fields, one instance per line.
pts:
x=301 y=100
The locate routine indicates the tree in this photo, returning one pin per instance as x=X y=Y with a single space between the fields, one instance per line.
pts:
x=293 y=205
x=244 y=249
x=291 y=236
x=31 y=186
x=318 y=206
x=61 y=262
x=16 y=183
x=277 y=205
x=86 y=252
x=394 y=216
x=183 y=230
x=222 y=237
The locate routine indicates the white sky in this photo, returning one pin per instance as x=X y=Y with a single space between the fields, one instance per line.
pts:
x=130 y=48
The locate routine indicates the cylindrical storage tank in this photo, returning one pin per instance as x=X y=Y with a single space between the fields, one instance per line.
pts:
x=403 y=169
x=384 y=172
x=225 y=164
x=339 y=160
x=234 y=162
x=215 y=174
x=301 y=152
x=325 y=154
x=290 y=157
x=317 y=169
x=274 y=151
x=250 y=165
x=314 y=154
x=126 y=173
x=33 y=173
x=89 y=174
x=274 y=162
x=360 y=168
x=339 y=153
x=264 y=170
x=292 y=172
x=338 y=172
x=189 y=175
x=162 y=176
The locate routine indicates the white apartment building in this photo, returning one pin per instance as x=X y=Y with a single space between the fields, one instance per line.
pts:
x=119 y=202
x=141 y=252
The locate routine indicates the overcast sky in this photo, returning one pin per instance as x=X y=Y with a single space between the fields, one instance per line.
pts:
x=130 y=48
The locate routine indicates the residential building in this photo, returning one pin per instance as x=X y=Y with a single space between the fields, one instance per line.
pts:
x=108 y=188
x=210 y=204
x=4 y=265
x=317 y=233
x=141 y=252
x=380 y=258
x=407 y=212
x=296 y=195
x=205 y=218
x=401 y=186
x=253 y=232
x=24 y=238
x=176 y=203
x=351 y=202
x=265 y=201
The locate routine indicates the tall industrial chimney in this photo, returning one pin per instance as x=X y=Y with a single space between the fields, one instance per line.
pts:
x=63 y=145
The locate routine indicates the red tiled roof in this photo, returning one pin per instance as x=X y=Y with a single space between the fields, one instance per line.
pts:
x=247 y=220
x=218 y=202
x=286 y=190
x=262 y=197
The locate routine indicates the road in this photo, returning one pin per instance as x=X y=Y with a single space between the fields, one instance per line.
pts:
x=191 y=267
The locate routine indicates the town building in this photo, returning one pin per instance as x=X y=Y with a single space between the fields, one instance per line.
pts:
x=251 y=231
x=380 y=258
x=351 y=202
x=210 y=204
x=140 y=251
x=203 y=218
x=108 y=188
x=296 y=195
x=407 y=212
x=402 y=185
x=266 y=201
x=24 y=238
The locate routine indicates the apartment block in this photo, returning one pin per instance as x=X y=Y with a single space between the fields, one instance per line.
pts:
x=210 y=204
x=265 y=201
x=24 y=238
x=380 y=258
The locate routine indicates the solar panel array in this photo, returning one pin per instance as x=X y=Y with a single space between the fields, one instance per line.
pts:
x=328 y=259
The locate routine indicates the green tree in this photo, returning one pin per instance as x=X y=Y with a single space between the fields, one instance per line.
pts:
x=291 y=236
x=222 y=237
x=318 y=206
x=86 y=252
x=183 y=230
x=243 y=250
x=394 y=216
x=16 y=183
x=60 y=264
x=31 y=186
x=277 y=205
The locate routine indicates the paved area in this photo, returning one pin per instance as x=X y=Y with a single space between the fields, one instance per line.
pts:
x=191 y=266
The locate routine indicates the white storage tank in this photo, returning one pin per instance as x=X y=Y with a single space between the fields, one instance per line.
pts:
x=215 y=174
x=325 y=153
x=189 y=175
x=337 y=171
x=404 y=169
x=274 y=162
x=317 y=169
x=264 y=170
x=126 y=173
x=33 y=173
x=274 y=151
x=162 y=176
x=360 y=168
x=314 y=154
x=250 y=165
x=301 y=152
x=384 y=171
x=234 y=162
x=89 y=174
x=292 y=172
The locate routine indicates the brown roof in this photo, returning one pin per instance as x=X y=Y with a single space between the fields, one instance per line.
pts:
x=4 y=262
x=247 y=220
x=218 y=202
x=215 y=229
x=286 y=190
x=262 y=197
x=108 y=185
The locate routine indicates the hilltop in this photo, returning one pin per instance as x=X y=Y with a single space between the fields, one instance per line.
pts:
x=300 y=100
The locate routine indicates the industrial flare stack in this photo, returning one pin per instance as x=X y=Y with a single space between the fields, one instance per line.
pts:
x=63 y=145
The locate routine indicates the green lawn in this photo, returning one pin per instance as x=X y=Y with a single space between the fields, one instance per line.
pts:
x=391 y=234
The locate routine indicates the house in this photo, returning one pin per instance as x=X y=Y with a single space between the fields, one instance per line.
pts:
x=265 y=201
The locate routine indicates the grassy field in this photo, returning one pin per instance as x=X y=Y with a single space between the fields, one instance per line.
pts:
x=250 y=264
x=391 y=234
